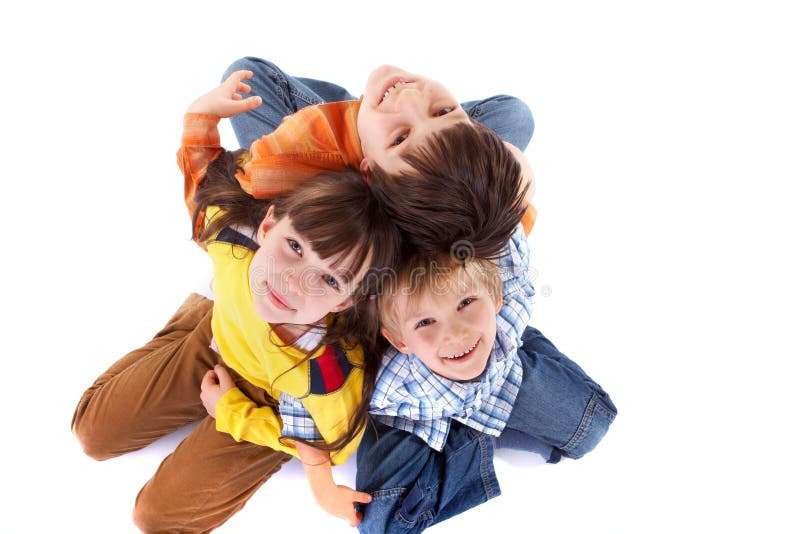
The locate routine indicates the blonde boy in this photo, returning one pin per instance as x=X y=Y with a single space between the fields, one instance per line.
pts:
x=466 y=374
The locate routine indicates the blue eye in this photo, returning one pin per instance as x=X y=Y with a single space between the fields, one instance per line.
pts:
x=331 y=281
x=443 y=111
x=400 y=139
x=295 y=246
x=466 y=302
x=423 y=323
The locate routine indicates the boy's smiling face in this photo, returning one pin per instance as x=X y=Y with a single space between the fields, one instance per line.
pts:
x=451 y=328
x=398 y=112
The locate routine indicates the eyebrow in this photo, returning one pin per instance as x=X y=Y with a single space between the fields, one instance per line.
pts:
x=450 y=117
x=339 y=274
x=347 y=276
x=417 y=318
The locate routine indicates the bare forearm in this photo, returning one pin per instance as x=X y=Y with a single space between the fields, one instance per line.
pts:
x=339 y=501
x=317 y=466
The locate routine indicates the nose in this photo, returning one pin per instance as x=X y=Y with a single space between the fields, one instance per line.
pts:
x=411 y=103
x=291 y=281
x=457 y=332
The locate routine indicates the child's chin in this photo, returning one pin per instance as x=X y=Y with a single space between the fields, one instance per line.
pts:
x=465 y=375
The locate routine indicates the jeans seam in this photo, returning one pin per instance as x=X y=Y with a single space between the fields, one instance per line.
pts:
x=391 y=492
x=488 y=486
x=304 y=97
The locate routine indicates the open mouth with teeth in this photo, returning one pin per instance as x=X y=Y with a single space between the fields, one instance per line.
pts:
x=391 y=86
x=468 y=352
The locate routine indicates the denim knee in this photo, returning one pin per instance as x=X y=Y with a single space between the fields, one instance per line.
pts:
x=558 y=402
x=252 y=64
x=521 y=117
x=508 y=116
x=599 y=414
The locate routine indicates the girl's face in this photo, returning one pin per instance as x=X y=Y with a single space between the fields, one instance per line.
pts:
x=290 y=283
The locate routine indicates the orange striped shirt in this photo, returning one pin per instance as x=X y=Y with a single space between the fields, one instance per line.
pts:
x=315 y=139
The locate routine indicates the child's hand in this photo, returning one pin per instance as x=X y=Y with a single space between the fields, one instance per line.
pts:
x=340 y=501
x=216 y=383
x=224 y=101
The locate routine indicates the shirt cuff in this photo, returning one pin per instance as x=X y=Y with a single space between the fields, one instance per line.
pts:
x=297 y=421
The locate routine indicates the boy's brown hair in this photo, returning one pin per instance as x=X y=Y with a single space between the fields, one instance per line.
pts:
x=436 y=274
x=465 y=193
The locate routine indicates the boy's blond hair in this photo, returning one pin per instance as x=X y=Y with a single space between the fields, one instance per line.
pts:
x=436 y=275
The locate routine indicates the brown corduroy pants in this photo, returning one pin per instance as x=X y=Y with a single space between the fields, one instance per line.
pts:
x=152 y=392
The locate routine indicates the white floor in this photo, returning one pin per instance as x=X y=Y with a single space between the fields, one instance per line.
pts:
x=666 y=155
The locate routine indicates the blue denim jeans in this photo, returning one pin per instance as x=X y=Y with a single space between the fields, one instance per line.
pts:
x=559 y=410
x=413 y=486
x=282 y=95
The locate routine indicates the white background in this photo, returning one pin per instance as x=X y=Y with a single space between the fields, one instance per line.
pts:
x=666 y=155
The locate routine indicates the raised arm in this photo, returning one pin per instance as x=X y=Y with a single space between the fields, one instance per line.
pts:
x=225 y=101
x=200 y=140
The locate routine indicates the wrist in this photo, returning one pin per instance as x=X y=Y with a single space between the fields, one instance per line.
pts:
x=198 y=106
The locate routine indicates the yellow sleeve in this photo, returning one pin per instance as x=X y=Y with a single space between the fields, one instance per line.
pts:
x=240 y=417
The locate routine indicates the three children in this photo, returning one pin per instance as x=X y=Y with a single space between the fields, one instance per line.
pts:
x=465 y=373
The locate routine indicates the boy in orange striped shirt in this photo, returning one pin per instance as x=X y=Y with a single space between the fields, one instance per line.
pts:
x=300 y=127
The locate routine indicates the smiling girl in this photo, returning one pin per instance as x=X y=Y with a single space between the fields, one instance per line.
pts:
x=285 y=368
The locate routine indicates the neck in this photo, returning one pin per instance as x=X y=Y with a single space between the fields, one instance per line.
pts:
x=289 y=332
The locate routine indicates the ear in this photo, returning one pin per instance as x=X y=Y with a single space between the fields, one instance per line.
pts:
x=499 y=304
x=346 y=303
x=266 y=223
x=399 y=345
x=364 y=170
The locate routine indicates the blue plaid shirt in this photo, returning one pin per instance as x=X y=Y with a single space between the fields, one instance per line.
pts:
x=409 y=396
x=297 y=422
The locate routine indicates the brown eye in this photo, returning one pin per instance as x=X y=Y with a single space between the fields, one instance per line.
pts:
x=443 y=111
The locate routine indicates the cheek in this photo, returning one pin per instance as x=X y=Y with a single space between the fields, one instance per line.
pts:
x=258 y=268
x=424 y=338
x=370 y=147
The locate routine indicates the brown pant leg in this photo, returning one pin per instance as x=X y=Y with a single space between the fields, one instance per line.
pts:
x=204 y=482
x=151 y=391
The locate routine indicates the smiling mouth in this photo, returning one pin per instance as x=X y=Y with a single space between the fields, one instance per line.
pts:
x=464 y=354
x=391 y=86
x=278 y=300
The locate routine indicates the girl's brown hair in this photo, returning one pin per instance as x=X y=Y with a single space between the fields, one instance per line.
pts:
x=340 y=217
x=465 y=194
